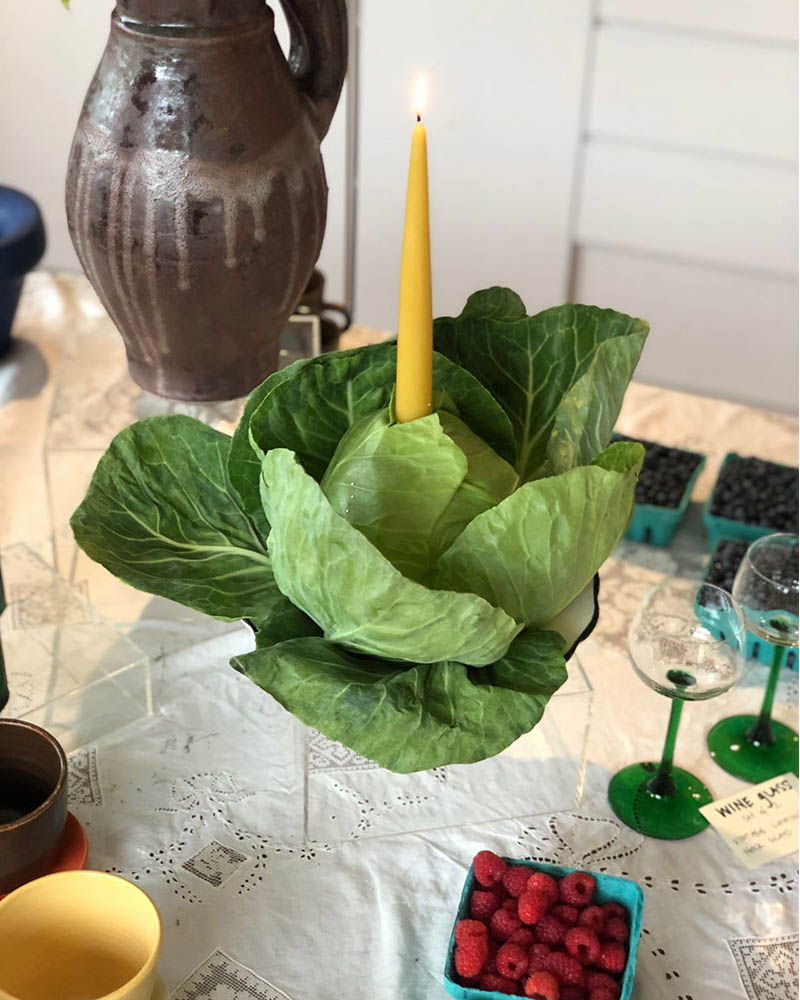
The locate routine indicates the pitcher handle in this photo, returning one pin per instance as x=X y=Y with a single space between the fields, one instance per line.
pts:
x=318 y=53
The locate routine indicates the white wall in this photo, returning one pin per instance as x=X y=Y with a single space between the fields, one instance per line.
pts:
x=503 y=123
x=640 y=154
x=47 y=58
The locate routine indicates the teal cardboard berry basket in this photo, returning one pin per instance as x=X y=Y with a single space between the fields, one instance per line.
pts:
x=725 y=527
x=656 y=525
x=757 y=648
x=609 y=889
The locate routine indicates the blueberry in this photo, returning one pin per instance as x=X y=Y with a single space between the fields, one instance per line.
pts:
x=755 y=491
x=725 y=561
x=665 y=473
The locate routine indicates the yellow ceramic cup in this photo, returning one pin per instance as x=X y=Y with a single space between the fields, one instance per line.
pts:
x=79 y=935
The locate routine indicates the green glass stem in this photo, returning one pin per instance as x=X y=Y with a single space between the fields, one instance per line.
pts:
x=761 y=732
x=663 y=784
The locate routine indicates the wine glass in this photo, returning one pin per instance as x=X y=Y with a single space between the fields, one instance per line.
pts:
x=756 y=747
x=687 y=642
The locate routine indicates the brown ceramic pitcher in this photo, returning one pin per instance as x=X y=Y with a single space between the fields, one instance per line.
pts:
x=196 y=195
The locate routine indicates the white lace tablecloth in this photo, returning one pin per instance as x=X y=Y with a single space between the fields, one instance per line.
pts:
x=286 y=867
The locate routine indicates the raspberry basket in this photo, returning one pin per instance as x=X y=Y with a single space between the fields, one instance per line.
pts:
x=609 y=889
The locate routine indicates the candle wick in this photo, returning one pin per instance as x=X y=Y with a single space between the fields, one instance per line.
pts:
x=419 y=118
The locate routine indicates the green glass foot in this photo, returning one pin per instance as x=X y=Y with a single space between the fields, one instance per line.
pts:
x=730 y=748
x=670 y=817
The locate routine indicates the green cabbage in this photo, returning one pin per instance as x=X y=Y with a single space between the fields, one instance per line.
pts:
x=406 y=582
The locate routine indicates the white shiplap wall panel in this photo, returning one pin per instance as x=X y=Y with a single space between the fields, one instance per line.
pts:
x=772 y=19
x=505 y=84
x=708 y=94
x=714 y=332
x=706 y=208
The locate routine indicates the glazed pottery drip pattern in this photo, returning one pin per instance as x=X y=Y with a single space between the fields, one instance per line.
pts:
x=196 y=193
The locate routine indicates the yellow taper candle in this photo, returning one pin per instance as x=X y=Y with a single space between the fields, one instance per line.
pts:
x=414 y=396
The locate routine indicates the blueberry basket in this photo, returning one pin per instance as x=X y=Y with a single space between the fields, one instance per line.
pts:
x=721 y=571
x=608 y=889
x=655 y=524
x=747 y=528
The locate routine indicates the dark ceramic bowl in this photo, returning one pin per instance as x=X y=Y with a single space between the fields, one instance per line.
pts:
x=22 y=243
x=33 y=801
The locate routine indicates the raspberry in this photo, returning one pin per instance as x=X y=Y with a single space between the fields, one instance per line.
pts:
x=537 y=960
x=469 y=928
x=543 y=883
x=550 y=930
x=601 y=981
x=602 y=994
x=503 y=924
x=488 y=868
x=500 y=891
x=593 y=918
x=542 y=986
x=499 y=984
x=516 y=879
x=490 y=965
x=470 y=955
x=577 y=889
x=582 y=943
x=482 y=905
x=523 y=937
x=509 y=905
x=616 y=930
x=532 y=906
x=612 y=957
x=566 y=914
x=570 y=992
x=615 y=910
x=565 y=968
x=512 y=961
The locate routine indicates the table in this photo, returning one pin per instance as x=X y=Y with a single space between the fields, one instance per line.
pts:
x=205 y=802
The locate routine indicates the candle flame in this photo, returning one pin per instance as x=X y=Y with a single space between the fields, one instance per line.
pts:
x=420 y=96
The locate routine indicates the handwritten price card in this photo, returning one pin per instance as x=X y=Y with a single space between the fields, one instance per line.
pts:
x=759 y=824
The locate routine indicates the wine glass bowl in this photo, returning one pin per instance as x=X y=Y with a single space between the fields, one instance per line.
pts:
x=687 y=642
x=766 y=587
x=756 y=747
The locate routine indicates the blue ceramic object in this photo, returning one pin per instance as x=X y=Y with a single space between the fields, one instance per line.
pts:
x=608 y=889
x=22 y=243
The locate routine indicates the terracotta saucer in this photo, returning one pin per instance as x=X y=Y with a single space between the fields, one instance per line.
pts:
x=72 y=853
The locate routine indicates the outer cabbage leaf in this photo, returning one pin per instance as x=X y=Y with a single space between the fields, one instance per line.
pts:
x=244 y=464
x=531 y=363
x=534 y=553
x=394 y=482
x=585 y=417
x=284 y=621
x=329 y=570
x=310 y=412
x=410 y=717
x=160 y=515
